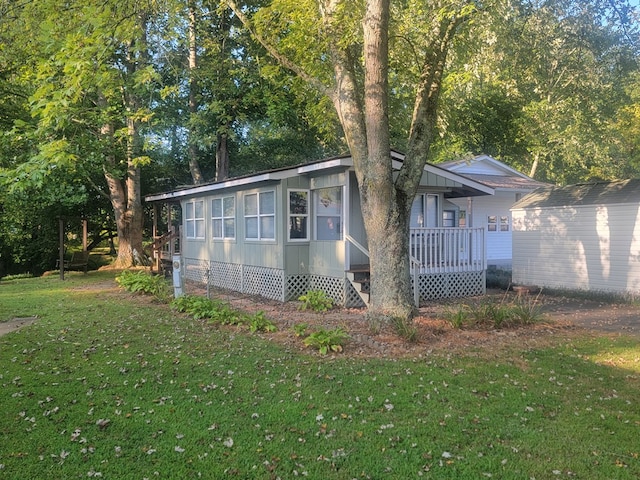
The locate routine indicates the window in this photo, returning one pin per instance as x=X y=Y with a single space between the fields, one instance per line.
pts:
x=260 y=216
x=328 y=213
x=449 y=218
x=298 y=214
x=424 y=211
x=497 y=223
x=492 y=223
x=223 y=217
x=194 y=219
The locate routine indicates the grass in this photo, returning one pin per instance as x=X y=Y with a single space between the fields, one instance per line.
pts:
x=108 y=385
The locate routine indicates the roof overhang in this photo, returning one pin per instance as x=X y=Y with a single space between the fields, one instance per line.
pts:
x=455 y=185
x=248 y=180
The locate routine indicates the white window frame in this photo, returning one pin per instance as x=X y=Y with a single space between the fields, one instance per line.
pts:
x=259 y=215
x=222 y=219
x=194 y=225
x=318 y=216
x=291 y=216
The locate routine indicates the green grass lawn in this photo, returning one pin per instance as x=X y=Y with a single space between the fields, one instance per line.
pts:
x=107 y=386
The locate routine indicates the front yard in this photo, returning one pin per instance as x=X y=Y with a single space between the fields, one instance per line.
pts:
x=112 y=385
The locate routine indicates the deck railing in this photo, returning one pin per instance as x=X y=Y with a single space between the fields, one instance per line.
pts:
x=443 y=250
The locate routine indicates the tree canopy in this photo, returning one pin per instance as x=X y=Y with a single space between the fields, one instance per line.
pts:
x=103 y=102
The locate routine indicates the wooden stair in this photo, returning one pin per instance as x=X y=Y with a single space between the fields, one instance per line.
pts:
x=360 y=278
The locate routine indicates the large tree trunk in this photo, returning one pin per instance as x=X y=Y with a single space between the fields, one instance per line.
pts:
x=194 y=164
x=363 y=113
x=127 y=207
x=386 y=219
x=222 y=157
x=125 y=194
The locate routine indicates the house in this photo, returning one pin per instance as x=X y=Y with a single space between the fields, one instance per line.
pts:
x=579 y=237
x=280 y=233
x=490 y=212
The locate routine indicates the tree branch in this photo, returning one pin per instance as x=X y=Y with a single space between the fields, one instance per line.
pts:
x=283 y=60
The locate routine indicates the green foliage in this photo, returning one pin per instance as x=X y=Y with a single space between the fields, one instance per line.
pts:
x=495 y=314
x=300 y=329
x=316 y=300
x=204 y=308
x=405 y=329
x=457 y=317
x=217 y=312
x=143 y=282
x=259 y=323
x=326 y=341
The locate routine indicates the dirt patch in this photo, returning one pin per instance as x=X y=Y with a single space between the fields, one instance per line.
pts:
x=15 y=324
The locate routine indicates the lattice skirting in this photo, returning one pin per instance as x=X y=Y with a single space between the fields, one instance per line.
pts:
x=195 y=270
x=296 y=285
x=451 y=285
x=272 y=283
x=266 y=282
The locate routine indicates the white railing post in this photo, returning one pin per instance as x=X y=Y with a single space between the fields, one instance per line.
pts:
x=447 y=249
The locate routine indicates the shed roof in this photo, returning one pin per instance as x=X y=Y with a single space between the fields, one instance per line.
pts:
x=596 y=193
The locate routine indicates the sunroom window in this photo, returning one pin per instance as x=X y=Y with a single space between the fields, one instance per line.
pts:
x=260 y=216
x=194 y=219
x=298 y=215
x=223 y=217
x=328 y=213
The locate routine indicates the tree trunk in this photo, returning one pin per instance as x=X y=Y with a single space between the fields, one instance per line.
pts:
x=194 y=165
x=222 y=157
x=363 y=113
x=386 y=221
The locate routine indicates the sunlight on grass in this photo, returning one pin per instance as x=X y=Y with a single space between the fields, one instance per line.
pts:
x=620 y=353
x=107 y=385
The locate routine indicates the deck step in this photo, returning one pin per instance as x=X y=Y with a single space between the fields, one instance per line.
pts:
x=360 y=278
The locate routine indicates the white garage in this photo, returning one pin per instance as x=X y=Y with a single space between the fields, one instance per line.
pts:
x=579 y=237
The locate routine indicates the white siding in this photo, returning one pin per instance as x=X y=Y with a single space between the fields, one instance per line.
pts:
x=498 y=242
x=593 y=248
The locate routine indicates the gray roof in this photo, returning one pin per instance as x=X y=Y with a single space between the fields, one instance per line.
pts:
x=596 y=193
x=504 y=182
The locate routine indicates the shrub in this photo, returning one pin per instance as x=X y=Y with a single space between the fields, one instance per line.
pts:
x=197 y=307
x=326 y=341
x=495 y=314
x=300 y=329
x=143 y=282
x=526 y=311
x=316 y=300
x=405 y=329
x=457 y=317
x=259 y=323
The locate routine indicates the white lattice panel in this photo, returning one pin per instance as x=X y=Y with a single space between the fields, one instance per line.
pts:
x=352 y=297
x=226 y=275
x=333 y=287
x=296 y=285
x=195 y=270
x=266 y=282
x=451 y=285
